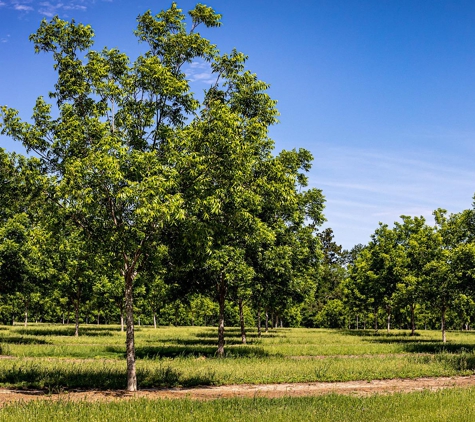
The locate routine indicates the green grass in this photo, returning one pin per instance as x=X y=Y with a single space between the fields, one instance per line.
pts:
x=55 y=374
x=50 y=357
x=446 y=405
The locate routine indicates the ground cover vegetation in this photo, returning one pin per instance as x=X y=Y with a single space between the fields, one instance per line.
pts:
x=51 y=358
x=445 y=405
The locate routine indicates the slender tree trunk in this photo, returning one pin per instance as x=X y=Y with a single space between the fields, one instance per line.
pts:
x=63 y=318
x=267 y=320
x=76 y=317
x=389 y=319
x=154 y=320
x=357 y=322
x=444 y=339
x=413 y=322
x=130 y=338
x=121 y=320
x=26 y=315
x=241 y=321
x=259 y=331
x=376 y=319
x=221 y=300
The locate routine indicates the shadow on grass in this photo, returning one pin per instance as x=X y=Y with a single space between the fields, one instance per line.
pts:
x=435 y=347
x=64 y=378
x=379 y=334
x=23 y=340
x=150 y=352
x=204 y=341
x=66 y=331
x=231 y=333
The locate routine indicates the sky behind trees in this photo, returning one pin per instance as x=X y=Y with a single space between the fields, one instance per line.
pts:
x=381 y=92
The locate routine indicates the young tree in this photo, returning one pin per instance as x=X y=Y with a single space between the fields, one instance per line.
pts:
x=112 y=149
x=450 y=273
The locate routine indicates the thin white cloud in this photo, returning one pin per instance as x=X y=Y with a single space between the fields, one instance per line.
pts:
x=51 y=9
x=364 y=187
x=198 y=71
x=47 y=8
x=23 y=8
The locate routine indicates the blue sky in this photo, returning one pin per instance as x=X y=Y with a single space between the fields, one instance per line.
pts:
x=382 y=92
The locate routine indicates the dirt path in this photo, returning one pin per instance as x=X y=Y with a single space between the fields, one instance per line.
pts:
x=358 y=388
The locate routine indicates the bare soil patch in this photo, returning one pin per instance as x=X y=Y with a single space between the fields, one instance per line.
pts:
x=357 y=388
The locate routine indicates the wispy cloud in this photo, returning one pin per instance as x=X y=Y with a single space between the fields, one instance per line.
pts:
x=199 y=71
x=23 y=8
x=46 y=8
x=363 y=187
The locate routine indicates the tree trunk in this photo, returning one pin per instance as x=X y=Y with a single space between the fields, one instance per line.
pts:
x=241 y=321
x=154 y=320
x=76 y=317
x=413 y=322
x=130 y=338
x=357 y=321
x=26 y=315
x=444 y=340
x=389 y=319
x=259 y=331
x=221 y=300
x=376 y=319
x=121 y=320
x=267 y=321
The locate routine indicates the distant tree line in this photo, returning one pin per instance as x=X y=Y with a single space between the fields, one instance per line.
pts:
x=411 y=276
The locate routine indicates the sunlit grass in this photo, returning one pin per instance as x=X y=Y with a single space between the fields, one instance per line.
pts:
x=445 y=405
x=50 y=357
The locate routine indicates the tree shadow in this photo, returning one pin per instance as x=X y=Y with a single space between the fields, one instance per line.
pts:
x=175 y=351
x=23 y=340
x=438 y=348
x=65 y=331
x=231 y=333
x=379 y=334
x=59 y=379
x=204 y=341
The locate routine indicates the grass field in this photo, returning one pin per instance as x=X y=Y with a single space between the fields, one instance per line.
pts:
x=49 y=357
x=446 y=405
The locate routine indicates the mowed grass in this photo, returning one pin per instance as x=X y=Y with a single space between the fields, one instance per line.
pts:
x=50 y=357
x=445 y=405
